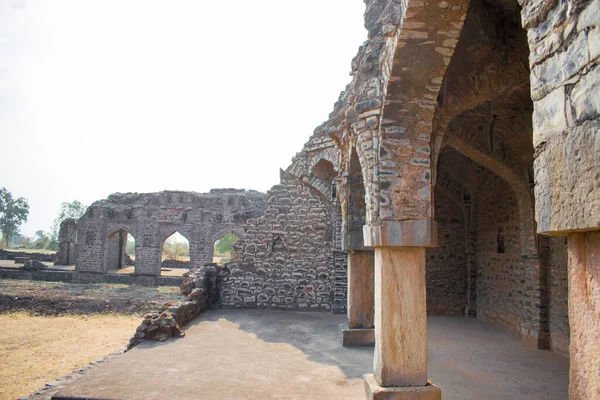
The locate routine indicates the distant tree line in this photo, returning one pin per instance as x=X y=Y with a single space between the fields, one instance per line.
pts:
x=14 y=213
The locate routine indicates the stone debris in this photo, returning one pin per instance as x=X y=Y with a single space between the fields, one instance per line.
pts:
x=201 y=290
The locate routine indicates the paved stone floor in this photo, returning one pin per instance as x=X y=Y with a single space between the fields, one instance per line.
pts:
x=255 y=354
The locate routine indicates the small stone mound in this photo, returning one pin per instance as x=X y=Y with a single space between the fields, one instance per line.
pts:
x=34 y=265
x=201 y=288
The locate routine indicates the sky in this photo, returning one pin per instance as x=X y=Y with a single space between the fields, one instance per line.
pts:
x=106 y=96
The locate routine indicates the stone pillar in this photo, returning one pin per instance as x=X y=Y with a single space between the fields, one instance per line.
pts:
x=400 y=360
x=584 y=315
x=361 y=308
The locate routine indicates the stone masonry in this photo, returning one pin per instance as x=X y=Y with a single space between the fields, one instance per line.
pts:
x=152 y=217
x=284 y=259
x=67 y=242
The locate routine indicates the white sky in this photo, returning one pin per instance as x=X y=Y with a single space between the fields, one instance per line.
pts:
x=107 y=96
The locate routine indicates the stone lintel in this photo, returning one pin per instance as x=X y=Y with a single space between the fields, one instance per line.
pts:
x=376 y=392
x=356 y=336
x=410 y=233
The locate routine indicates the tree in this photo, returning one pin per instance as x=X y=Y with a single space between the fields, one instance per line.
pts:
x=176 y=249
x=224 y=245
x=42 y=240
x=13 y=213
x=74 y=209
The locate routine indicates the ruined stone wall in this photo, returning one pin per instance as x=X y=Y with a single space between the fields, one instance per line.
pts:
x=283 y=261
x=500 y=278
x=564 y=40
x=67 y=242
x=558 y=294
x=152 y=217
x=446 y=264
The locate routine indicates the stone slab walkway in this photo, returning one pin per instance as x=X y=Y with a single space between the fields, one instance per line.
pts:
x=256 y=354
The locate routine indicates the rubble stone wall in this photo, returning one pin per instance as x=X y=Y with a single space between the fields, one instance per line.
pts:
x=446 y=264
x=67 y=242
x=152 y=217
x=284 y=259
x=500 y=282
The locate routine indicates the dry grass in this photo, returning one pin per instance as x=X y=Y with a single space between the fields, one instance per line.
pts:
x=35 y=350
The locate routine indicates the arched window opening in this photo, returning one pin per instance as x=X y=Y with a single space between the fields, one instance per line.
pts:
x=324 y=171
x=356 y=202
x=223 y=248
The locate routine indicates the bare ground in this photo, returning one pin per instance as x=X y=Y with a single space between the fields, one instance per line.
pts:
x=57 y=298
x=49 y=329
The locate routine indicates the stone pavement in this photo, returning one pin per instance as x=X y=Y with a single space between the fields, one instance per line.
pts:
x=252 y=354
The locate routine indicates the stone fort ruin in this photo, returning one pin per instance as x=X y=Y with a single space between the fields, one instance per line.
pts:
x=458 y=174
x=151 y=218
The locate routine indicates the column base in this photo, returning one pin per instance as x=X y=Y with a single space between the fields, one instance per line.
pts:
x=376 y=392
x=357 y=336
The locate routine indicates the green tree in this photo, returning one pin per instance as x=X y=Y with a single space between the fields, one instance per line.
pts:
x=174 y=249
x=74 y=209
x=42 y=240
x=224 y=244
x=13 y=213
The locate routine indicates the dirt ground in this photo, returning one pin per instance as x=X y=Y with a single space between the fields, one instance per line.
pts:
x=35 y=350
x=49 y=329
x=56 y=298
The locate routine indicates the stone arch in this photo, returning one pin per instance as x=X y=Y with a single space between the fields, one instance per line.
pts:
x=331 y=154
x=353 y=202
x=324 y=171
x=178 y=229
x=517 y=183
x=419 y=52
x=164 y=239
x=237 y=231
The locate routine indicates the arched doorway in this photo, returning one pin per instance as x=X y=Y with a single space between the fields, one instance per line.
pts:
x=175 y=255
x=120 y=252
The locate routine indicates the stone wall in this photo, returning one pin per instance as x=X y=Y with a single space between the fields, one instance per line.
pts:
x=564 y=39
x=67 y=242
x=558 y=293
x=284 y=259
x=446 y=264
x=152 y=217
x=500 y=282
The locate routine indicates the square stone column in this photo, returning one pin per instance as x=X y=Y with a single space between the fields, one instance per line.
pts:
x=584 y=315
x=361 y=300
x=400 y=360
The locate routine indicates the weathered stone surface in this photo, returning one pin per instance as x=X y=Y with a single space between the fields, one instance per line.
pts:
x=565 y=79
x=152 y=217
x=374 y=391
x=34 y=265
x=357 y=336
x=361 y=299
x=286 y=258
x=400 y=321
x=584 y=314
x=201 y=288
x=67 y=242
x=567 y=173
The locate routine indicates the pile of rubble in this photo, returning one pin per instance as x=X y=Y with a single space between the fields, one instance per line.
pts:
x=201 y=290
